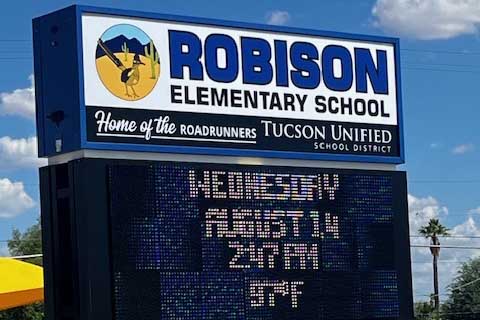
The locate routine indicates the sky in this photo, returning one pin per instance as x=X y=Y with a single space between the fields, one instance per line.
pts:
x=440 y=76
x=128 y=31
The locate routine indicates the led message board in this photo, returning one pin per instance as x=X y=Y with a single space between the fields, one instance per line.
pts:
x=151 y=82
x=193 y=241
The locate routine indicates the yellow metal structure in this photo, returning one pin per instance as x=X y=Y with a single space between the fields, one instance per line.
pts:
x=21 y=283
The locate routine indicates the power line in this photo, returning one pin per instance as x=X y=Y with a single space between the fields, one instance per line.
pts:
x=429 y=262
x=459 y=287
x=466 y=284
x=416 y=66
x=447 y=313
x=443 y=246
x=441 y=70
x=463 y=52
x=451 y=214
x=410 y=181
x=440 y=51
x=25 y=51
x=414 y=63
x=455 y=213
x=403 y=67
x=402 y=49
x=446 y=181
x=448 y=236
x=429 y=295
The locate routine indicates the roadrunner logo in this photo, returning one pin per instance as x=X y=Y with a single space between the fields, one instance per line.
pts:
x=127 y=62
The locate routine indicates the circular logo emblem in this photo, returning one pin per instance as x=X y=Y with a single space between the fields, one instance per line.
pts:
x=127 y=62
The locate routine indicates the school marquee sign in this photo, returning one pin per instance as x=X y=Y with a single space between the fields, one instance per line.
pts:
x=128 y=235
x=176 y=84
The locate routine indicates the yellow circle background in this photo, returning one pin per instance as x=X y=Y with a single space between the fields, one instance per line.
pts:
x=110 y=75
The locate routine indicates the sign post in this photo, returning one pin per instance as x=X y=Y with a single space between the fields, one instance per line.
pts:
x=205 y=169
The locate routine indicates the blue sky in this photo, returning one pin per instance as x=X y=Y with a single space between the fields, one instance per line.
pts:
x=440 y=72
x=128 y=31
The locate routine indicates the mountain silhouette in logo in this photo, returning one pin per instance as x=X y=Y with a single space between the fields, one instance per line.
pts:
x=115 y=45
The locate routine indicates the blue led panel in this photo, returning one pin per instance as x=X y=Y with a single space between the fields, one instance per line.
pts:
x=194 y=241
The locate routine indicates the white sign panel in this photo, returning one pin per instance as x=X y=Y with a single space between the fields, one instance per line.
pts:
x=206 y=85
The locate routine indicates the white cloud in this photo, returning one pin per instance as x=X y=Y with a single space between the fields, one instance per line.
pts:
x=13 y=199
x=463 y=148
x=428 y=19
x=278 y=17
x=20 y=102
x=474 y=211
x=19 y=153
x=420 y=211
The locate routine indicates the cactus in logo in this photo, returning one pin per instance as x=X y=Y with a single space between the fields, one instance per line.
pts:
x=125 y=51
x=152 y=55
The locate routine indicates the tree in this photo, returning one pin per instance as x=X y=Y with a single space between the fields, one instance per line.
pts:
x=464 y=300
x=432 y=231
x=29 y=242
x=423 y=310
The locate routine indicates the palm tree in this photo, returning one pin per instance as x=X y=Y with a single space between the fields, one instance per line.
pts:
x=432 y=231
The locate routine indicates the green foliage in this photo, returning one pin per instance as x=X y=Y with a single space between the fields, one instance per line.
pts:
x=424 y=310
x=125 y=51
x=433 y=229
x=464 y=300
x=30 y=312
x=152 y=55
x=30 y=242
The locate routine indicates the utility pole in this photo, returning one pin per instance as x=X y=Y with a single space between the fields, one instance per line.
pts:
x=435 y=253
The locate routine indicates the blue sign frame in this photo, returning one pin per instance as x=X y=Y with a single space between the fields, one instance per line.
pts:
x=73 y=131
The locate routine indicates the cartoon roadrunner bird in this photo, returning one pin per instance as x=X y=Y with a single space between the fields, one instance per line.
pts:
x=130 y=76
